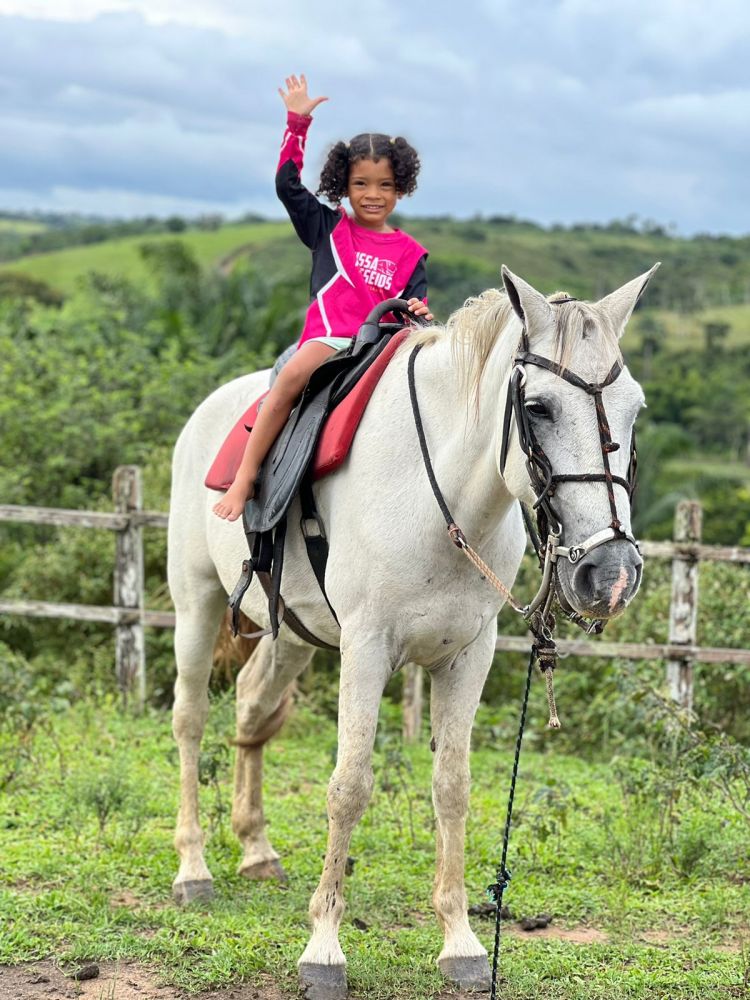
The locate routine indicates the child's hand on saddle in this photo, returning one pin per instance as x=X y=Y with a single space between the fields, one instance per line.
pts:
x=418 y=307
x=297 y=99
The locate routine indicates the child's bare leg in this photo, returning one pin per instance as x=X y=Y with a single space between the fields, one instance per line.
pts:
x=273 y=414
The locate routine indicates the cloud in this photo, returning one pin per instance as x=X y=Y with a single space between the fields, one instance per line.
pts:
x=550 y=109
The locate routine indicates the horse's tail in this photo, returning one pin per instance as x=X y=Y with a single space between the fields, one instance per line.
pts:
x=231 y=651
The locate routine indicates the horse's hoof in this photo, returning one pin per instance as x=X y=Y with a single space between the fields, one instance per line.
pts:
x=471 y=973
x=322 y=982
x=264 y=871
x=193 y=890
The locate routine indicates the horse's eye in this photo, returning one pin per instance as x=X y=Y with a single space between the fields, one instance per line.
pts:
x=537 y=408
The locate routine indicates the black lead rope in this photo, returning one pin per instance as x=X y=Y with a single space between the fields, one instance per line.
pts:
x=497 y=889
x=543 y=482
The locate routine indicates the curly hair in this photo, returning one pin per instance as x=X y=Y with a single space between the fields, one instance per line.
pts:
x=334 y=178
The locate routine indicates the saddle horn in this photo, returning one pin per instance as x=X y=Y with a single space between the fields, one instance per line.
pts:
x=371 y=331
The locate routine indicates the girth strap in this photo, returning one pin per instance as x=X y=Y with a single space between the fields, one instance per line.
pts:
x=266 y=562
x=277 y=567
x=316 y=543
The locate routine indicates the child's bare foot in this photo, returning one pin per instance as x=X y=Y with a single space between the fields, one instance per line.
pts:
x=233 y=503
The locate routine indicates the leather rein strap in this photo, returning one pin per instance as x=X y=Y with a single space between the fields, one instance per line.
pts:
x=547 y=534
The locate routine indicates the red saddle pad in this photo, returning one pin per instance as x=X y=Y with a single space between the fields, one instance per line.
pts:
x=335 y=439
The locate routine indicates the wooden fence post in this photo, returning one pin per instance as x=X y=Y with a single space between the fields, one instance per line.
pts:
x=412 y=702
x=683 y=607
x=130 y=649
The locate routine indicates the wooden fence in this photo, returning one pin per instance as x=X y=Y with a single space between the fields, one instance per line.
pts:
x=129 y=616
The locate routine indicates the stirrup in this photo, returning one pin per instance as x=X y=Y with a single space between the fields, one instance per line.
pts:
x=235 y=598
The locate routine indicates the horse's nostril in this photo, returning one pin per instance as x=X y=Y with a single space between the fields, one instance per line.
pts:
x=583 y=580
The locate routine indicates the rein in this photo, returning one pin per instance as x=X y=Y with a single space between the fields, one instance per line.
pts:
x=538 y=612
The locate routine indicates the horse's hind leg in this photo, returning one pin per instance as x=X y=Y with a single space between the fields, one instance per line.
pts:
x=364 y=672
x=198 y=618
x=263 y=702
x=456 y=689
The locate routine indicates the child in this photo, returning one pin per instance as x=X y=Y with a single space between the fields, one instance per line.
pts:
x=357 y=261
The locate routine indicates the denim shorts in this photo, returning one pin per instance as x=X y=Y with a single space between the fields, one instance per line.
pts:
x=335 y=343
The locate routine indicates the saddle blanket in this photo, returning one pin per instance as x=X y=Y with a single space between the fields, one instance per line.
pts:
x=335 y=439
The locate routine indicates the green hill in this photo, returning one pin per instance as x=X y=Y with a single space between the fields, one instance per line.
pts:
x=20 y=226
x=703 y=280
x=120 y=257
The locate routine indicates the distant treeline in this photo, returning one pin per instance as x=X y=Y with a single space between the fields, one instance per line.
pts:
x=586 y=258
x=58 y=231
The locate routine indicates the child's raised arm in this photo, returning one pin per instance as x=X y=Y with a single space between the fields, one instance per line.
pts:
x=311 y=219
x=297 y=99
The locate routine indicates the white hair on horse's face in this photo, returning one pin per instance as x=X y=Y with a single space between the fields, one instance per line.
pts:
x=579 y=322
x=474 y=331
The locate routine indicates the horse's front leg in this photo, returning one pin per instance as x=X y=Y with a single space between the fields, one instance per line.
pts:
x=263 y=703
x=456 y=689
x=365 y=668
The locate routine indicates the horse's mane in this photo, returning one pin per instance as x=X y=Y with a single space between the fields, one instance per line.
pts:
x=475 y=328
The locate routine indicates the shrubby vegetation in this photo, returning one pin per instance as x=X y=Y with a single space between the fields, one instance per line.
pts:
x=109 y=379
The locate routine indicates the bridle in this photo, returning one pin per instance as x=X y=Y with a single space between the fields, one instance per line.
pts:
x=544 y=481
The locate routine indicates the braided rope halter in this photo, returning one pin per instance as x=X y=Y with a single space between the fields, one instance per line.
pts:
x=538 y=613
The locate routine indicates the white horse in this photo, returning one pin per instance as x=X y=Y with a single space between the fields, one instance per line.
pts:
x=402 y=592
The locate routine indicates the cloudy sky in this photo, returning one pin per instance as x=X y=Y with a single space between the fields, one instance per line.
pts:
x=553 y=110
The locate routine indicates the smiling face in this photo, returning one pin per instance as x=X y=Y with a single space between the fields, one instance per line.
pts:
x=372 y=193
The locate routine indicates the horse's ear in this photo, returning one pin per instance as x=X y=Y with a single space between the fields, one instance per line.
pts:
x=619 y=305
x=529 y=305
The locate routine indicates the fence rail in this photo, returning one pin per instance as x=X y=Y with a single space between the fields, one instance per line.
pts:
x=129 y=616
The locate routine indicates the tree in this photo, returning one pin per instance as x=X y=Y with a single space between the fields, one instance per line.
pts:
x=715 y=334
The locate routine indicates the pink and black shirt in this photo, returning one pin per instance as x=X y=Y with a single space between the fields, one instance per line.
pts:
x=353 y=267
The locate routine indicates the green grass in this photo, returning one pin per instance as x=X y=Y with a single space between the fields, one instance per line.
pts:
x=120 y=258
x=24 y=227
x=710 y=466
x=684 y=331
x=78 y=882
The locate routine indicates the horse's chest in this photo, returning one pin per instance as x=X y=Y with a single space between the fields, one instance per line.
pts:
x=440 y=629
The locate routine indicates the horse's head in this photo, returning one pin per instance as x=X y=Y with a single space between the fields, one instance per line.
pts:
x=568 y=438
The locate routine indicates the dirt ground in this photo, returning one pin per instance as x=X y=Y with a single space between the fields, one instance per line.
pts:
x=126 y=981
x=116 y=981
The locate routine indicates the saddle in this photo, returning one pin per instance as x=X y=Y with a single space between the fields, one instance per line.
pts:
x=289 y=469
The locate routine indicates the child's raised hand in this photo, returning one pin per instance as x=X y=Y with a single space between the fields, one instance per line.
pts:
x=296 y=97
x=418 y=307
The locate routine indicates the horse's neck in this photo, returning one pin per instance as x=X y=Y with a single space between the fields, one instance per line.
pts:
x=463 y=439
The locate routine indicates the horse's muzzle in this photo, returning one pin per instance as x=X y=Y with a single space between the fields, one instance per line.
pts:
x=604 y=582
